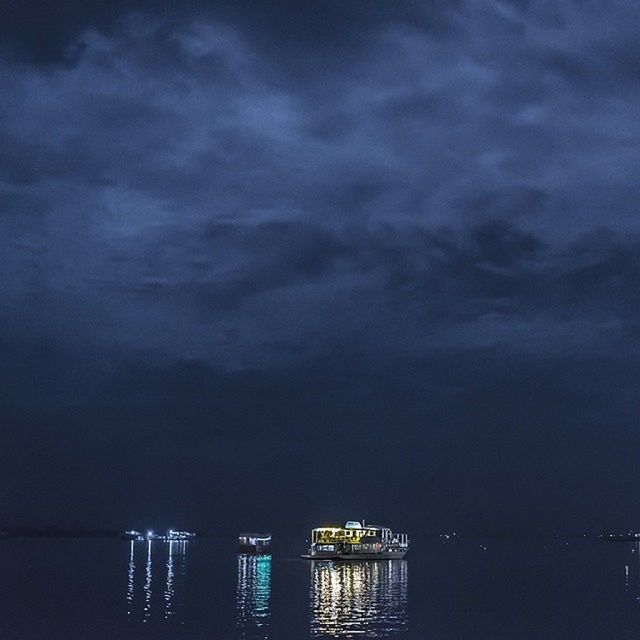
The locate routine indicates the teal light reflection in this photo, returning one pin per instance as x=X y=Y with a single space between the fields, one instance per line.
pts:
x=253 y=596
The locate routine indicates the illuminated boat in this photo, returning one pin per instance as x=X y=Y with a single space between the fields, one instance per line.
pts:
x=254 y=543
x=132 y=535
x=170 y=536
x=622 y=537
x=356 y=541
x=173 y=535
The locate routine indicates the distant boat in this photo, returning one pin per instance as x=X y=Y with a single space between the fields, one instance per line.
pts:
x=172 y=535
x=169 y=536
x=131 y=535
x=357 y=541
x=622 y=537
x=254 y=543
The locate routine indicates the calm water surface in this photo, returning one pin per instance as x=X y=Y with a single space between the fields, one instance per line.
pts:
x=477 y=589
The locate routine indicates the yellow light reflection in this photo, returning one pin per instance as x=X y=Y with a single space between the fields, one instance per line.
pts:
x=358 y=598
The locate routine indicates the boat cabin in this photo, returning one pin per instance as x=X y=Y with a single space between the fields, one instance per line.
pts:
x=254 y=543
x=356 y=539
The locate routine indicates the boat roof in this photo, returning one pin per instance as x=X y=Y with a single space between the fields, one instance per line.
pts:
x=350 y=525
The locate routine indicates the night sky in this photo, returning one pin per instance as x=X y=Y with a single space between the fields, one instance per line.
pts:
x=266 y=265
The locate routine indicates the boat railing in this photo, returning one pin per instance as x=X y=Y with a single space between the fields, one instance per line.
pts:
x=401 y=539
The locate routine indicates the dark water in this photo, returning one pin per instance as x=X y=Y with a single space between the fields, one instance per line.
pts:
x=86 y=589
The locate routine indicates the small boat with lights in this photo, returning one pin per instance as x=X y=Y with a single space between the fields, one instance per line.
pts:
x=257 y=544
x=169 y=536
x=622 y=537
x=357 y=541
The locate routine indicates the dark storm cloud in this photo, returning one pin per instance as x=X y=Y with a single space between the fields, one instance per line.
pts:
x=44 y=34
x=340 y=216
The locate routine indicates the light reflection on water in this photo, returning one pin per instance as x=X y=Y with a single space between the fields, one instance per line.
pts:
x=169 y=589
x=253 y=594
x=147 y=584
x=130 y=579
x=528 y=588
x=358 y=598
x=167 y=579
x=632 y=572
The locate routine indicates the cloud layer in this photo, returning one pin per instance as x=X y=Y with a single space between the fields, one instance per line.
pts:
x=334 y=191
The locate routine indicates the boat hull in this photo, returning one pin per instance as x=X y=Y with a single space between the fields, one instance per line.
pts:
x=385 y=555
x=350 y=557
x=252 y=550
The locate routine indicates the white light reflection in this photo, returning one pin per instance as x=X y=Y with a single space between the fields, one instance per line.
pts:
x=637 y=550
x=146 y=606
x=147 y=585
x=168 y=591
x=130 y=580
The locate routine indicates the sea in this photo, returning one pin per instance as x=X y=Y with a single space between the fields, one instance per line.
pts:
x=476 y=589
